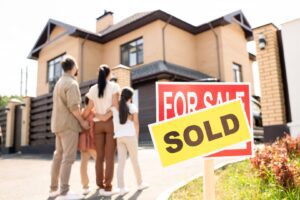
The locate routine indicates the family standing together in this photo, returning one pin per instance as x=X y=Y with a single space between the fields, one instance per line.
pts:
x=108 y=122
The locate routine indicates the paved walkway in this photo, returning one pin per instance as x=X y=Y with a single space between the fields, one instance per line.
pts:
x=27 y=177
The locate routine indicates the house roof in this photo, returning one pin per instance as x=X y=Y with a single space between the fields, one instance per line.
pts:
x=69 y=30
x=124 y=22
x=158 y=68
x=136 y=21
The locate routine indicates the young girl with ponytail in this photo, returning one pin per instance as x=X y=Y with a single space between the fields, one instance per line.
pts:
x=126 y=127
x=126 y=131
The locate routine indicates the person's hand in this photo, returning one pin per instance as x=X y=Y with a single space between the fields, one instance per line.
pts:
x=108 y=109
x=100 y=117
x=130 y=117
x=85 y=125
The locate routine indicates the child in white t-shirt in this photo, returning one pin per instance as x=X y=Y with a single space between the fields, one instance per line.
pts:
x=126 y=131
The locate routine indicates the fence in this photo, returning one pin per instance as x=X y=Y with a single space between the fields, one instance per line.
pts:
x=40 y=117
x=3 y=116
x=27 y=124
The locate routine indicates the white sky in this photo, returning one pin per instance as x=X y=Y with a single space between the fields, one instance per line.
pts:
x=22 y=22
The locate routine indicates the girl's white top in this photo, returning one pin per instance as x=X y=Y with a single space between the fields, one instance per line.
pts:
x=104 y=103
x=127 y=129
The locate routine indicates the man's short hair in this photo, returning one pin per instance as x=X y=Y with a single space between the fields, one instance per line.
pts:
x=67 y=64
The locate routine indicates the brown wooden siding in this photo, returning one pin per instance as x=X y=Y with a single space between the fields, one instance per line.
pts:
x=3 y=116
x=147 y=112
x=17 y=129
x=40 y=117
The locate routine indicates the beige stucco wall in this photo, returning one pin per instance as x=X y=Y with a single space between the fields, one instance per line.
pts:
x=92 y=59
x=180 y=46
x=65 y=44
x=206 y=52
x=234 y=50
x=151 y=34
x=200 y=52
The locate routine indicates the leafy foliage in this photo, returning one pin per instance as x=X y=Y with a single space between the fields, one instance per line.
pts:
x=278 y=162
x=5 y=99
x=274 y=173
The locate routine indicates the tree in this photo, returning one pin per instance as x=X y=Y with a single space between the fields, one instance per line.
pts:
x=5 y=99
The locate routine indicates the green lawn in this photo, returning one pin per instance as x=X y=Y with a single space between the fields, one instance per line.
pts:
x=237 y=181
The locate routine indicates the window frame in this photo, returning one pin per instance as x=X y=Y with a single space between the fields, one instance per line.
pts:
x=239 y=69
x=136 y=52
x=48 y=64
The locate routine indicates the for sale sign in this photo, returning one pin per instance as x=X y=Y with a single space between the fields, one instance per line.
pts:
x=178 y=98
x=200 y=133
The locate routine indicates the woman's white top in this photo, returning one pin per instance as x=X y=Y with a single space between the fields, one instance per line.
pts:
x=127 y=129
x=103 y=103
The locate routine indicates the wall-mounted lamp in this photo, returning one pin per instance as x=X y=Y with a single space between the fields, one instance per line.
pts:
x=22 y=105
x=262 y=41
x=113 y=78
x=7 y=109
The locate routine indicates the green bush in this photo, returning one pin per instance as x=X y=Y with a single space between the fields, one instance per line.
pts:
x=279 y=162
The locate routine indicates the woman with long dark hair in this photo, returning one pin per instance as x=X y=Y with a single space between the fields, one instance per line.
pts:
x=102 y=96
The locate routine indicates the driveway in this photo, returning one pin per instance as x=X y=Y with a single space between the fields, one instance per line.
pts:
x=27 y=177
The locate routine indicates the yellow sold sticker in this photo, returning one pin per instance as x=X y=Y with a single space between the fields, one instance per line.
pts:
x=200 y=133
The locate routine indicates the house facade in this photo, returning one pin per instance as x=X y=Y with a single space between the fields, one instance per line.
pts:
x=156 y=46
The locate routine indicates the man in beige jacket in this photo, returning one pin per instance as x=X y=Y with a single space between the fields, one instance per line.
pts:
x=66 y=123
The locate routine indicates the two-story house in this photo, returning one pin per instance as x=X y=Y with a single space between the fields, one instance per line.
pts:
x=155 y=45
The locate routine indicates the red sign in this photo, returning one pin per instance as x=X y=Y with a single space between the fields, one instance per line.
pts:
x=177 y=98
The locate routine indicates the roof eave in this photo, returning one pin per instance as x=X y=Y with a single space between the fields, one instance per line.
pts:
x=42 y=40
x=161 y=15
x=151 y=17
x=166 y=68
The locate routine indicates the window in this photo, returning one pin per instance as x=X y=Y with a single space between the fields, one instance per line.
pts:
x=54 y=71
x=237 y=72
x=132 y=53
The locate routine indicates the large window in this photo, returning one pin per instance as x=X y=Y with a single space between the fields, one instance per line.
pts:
x=54 y=71
x=237 y=73
x=132 y=53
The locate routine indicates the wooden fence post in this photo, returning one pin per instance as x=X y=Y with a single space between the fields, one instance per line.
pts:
x=209 y=179
x=25 y=121
x=10 y=123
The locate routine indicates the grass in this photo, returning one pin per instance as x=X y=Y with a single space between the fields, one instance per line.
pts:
x=237 y=181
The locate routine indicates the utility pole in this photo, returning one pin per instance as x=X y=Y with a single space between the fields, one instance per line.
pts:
x=26 y=81
x=21 y=84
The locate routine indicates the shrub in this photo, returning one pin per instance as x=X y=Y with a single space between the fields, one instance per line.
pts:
x=278 y=162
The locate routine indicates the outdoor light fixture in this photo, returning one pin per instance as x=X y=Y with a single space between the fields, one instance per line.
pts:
x=22 y=105
x=113 y=78
x=262 y=41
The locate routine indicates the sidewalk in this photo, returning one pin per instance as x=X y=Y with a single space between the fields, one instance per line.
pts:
x=27 y=177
